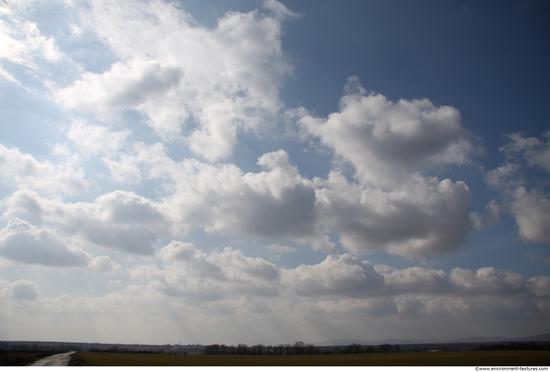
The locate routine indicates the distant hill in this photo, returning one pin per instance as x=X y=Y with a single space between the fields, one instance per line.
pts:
x=544 y=337
x=392 y=341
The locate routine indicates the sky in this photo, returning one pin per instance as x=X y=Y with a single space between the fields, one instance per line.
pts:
x=267 y=172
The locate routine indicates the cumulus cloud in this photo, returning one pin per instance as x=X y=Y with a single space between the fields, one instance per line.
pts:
x=227 y=289
x=460 y=282
x=23 y=202
x=122 y=86
x=22 y=242
x=200 y=89
x=423 y=216
x=392 y=206
x=188 y=272
x=261 y=214
x=532 y=212
x=488 y=280
x=231 y=84
x=103 y=264
x=194 y=260
x=386 y=140
x=184 y=268
x=95 y=139
x=179 y=74
x=25 y=171
x=529 y=206
x=276 y=202
x=118 y=220
x=343 y=275
x=24 y=290
x=414 y=280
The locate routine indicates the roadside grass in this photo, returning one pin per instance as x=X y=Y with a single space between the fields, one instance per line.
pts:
x=451 y=358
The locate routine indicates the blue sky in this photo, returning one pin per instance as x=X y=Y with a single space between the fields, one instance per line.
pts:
x=249 y=171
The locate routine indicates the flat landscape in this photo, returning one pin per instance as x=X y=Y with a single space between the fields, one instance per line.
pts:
x=455 y=358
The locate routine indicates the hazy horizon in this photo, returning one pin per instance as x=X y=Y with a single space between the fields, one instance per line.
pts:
x=273 y=171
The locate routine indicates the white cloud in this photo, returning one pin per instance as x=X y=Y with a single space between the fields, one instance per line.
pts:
x=392 y=207
x=179 y=74
x=117 y=221
x=385 y=140
x=10 y=7
x=540 y=286
x=276 y=202
x=530 y=207
x=230 y=292
x=124 y=85
x=22 y=43
x=478 y=309
x=491 y=215
x=23 y=202
x=343 y=275
x=536 y=152
x=25 y=171
x=417 y=280
x=488 y=280
x=281 y=248
x=22 y=242
x=185 y=254
x=103 y=264
x=532 y=212
x=238 y=264
x=95 y=139
x=421 y=217
x=279 y=9
x=188 y=272
x=124 y=169
x=273 y=203
x=188 y=269
x=24 y=290
x=37 y=42
x=149 y=62
x=504 y=176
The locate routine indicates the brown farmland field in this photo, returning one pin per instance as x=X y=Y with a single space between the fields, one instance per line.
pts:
x=451 y=358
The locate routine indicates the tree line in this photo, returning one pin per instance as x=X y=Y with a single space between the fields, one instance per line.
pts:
x=298 y=348
x=516 y=346
x=38 y=347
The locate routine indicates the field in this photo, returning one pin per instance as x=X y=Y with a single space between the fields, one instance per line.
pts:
x=453 y=358
x=21 y=358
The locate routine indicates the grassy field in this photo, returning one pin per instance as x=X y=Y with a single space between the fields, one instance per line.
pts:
x=21 y=358
x=452 y=358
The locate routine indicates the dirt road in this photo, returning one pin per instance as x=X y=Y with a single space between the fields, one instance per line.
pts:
x=55 y=360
